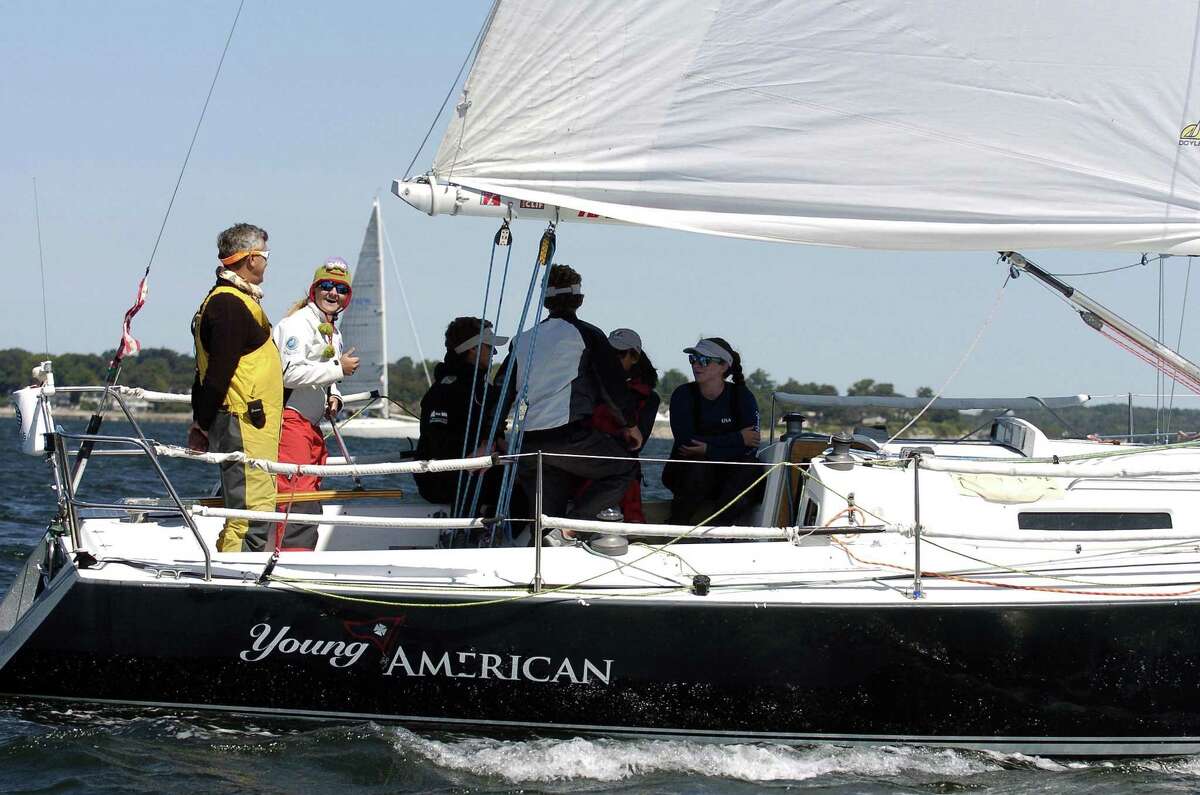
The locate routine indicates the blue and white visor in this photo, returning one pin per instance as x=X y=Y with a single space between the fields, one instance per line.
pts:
x=707 y=347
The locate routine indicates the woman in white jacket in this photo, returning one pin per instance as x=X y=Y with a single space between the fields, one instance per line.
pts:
x=310 y=348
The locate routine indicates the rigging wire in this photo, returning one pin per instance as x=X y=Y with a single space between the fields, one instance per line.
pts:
x=1160 y=338
x=441 y=109
x=546 y=248
x=1141 y=263
x=195 y=134
x=404 y=297
x=460 y=496
x=114 y=366
x=503 y=234
x=987 y=322
x=1179 y=339
x=37 y=214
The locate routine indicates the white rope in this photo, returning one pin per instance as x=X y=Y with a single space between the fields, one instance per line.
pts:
x=672 y=530
x=1099 y=469
x=180 y=397
x=358 y=521
x=276 y=468
x=1072 y=537
x=546 y=454
x=151 y=395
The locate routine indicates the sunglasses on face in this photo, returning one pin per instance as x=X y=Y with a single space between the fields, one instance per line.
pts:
x=704 y=361
x=327 y=285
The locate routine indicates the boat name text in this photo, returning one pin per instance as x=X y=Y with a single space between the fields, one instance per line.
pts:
x=339 y=653
x=509 y=667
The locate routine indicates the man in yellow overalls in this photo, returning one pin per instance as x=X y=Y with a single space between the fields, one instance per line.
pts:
x=237 y=397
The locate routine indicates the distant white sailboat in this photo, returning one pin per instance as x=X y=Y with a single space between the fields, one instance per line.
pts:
x=364 y=328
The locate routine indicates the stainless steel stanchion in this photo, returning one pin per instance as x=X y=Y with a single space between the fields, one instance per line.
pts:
x=917 y=594
x=537 y=529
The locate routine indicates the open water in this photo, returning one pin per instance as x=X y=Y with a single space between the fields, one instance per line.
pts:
x=58 y=749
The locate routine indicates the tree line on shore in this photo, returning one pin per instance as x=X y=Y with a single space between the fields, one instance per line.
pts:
x=165 y=370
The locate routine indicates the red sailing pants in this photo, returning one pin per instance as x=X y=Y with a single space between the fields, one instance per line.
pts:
x=300 y=442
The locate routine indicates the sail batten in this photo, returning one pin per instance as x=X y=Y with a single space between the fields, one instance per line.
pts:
x=1019 y=124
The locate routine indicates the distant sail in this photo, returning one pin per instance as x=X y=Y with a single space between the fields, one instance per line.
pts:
x=896 y=124
x=364 y=324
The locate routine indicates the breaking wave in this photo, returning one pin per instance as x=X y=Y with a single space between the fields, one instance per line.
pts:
x=605 y=760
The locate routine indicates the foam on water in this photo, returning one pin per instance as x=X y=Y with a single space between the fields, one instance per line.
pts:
x=544 y=760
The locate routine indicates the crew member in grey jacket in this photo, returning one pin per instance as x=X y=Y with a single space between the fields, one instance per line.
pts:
x=573 y=368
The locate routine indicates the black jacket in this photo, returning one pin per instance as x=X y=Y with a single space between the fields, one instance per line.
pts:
x=573 y=370
x=444 y=410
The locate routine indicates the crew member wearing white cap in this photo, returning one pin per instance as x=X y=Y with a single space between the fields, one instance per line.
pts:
x=310 y=347
x=712 y=420
x=457 y=395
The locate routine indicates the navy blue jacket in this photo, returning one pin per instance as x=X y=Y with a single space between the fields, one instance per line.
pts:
x=718 y=423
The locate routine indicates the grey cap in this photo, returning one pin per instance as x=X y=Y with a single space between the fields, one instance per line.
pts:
x=625 y=339
x=707 y=347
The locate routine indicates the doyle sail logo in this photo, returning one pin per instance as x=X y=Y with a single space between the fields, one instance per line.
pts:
x=1190 y=135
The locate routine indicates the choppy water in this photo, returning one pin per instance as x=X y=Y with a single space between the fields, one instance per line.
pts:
x=54 y=749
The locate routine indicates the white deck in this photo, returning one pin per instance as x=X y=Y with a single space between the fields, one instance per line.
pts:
x=970 y=527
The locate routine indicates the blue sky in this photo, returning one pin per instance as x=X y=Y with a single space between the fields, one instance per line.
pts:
x=321 y=105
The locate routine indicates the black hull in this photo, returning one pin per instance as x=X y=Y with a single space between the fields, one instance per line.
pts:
x=1060 y=679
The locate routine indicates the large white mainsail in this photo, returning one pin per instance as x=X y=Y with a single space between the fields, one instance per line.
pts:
x=364 y=323
x=898 y=124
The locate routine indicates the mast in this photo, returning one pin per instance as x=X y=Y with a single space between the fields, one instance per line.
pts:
x=386 y=406
x=1111 y=325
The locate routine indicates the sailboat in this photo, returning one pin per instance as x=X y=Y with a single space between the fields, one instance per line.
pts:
x=364 y=328
x=1015 y=592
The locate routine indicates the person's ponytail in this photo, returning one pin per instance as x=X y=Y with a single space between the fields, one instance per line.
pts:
x=736 y=369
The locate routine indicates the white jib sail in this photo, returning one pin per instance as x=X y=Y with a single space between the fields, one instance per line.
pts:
x=364 y=324
x=905 y=124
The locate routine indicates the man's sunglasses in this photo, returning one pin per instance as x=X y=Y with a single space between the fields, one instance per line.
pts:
x=342 y=289
x=704 y=361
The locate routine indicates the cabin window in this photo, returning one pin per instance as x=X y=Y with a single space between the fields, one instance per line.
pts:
x=1067 y=520
x=811 y=509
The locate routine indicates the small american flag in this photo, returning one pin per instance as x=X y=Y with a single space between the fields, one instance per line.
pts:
x=129 y=345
